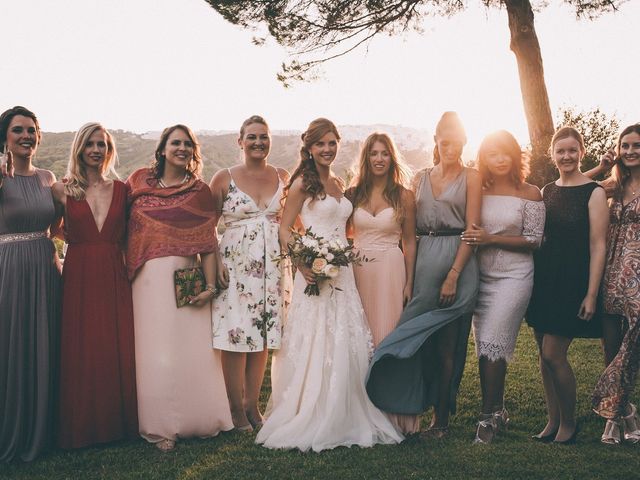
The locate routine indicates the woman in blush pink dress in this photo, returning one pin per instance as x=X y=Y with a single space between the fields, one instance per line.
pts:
x=384 y=218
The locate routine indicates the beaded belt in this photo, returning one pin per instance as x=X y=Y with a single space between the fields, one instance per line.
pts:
x=440 y=233
x=21 y=237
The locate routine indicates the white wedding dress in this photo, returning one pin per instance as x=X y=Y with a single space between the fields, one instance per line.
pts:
x=318 y=397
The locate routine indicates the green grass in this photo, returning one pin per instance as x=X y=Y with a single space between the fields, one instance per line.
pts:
x=512 y=456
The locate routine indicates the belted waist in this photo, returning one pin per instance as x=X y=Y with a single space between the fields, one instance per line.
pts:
x=249 y=221
x=21 y=237
x=376 y=246
x=452 y=232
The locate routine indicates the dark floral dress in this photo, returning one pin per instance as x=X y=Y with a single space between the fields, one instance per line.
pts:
x=621 y=296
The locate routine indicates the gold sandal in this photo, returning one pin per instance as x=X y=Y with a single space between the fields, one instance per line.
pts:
x=166 y=445
x=611 y=434
x=631 y=426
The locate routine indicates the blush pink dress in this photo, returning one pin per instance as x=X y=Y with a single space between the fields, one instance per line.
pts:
x=381 y=281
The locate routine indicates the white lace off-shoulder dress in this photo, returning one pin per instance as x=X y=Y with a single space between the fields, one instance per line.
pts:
x=506 y=276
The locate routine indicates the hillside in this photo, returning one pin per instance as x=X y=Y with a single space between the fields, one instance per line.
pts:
x=220 y=149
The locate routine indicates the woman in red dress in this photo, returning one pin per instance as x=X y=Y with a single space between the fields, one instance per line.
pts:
x=97 y=370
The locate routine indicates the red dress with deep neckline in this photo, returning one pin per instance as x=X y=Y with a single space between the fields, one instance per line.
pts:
x=97 y=370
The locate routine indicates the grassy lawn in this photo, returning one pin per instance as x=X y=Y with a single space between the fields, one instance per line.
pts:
x=512 y=456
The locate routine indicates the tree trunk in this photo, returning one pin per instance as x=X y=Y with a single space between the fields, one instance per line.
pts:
x=525 y=46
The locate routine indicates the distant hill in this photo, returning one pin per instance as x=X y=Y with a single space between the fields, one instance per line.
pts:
x=220 y=149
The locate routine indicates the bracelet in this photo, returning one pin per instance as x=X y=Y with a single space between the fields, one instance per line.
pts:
x=455 y=270
x=209 y=287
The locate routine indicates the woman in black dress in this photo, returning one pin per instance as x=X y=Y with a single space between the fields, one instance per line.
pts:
x=568 y=269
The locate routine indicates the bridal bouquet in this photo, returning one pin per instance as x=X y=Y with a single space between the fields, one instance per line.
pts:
x=324 y=257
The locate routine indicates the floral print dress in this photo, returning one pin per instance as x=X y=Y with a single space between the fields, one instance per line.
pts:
x=621 y=296
x=249 y=314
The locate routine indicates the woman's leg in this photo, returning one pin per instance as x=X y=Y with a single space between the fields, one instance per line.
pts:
x=254 y=375
x=553 y=411
x=611 y=336
x=493 y=416
x=234 y=365
x=492 y=377
x=554 y=356
x=445 y=343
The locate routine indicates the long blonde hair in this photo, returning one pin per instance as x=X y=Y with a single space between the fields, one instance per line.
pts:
x=397 y=178
x=76 y=175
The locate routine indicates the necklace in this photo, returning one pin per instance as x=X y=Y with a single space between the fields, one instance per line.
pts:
x=161 y=184
x=634 y=190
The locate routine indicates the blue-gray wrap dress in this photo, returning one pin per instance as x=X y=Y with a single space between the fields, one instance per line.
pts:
x=401 y=374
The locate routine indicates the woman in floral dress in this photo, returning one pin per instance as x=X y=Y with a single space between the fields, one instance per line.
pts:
x=247 y=316
x=620 y=292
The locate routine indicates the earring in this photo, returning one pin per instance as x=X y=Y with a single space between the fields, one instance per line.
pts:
x=310 y=157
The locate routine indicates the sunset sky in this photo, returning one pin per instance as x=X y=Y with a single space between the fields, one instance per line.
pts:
x=142 y=65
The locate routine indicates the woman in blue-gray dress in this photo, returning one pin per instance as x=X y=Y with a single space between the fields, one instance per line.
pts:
x=29 y=292
x=420 y=363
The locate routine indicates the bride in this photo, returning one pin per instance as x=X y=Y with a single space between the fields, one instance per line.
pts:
x=318 y=397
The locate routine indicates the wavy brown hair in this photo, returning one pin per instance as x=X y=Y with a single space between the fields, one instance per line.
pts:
x=620 y=173
x=503 y=142
x=398 y=176
x=448 y=121
x=306 y=168
x=195 y=165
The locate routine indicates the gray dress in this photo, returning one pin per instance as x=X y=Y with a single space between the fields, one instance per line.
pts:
x=402 y=376
x=29 y=316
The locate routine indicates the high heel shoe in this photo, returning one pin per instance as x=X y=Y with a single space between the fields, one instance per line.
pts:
x=248 y=428
x=611 y=434
x=436 y=433
x=487 y=429
x=545 y=438
x=569 y=441
x=502 y=418
x=631 y=426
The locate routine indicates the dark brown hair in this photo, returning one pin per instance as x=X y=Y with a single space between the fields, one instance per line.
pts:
x=7 y=116
x=503 y=142
x=195 y=165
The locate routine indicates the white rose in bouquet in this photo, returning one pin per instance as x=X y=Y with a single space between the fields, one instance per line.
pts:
x=331 y=271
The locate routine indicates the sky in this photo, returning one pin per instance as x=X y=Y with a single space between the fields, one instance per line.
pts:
x=141 y=65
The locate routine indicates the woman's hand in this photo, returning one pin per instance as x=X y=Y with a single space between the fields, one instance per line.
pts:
x=202 y=299
x=448 y=289
x=6 y=165
x=476 y=236
x=407 y=293
x=308 y=274
x=587 y=308
x=222 y=275
x=607 y=161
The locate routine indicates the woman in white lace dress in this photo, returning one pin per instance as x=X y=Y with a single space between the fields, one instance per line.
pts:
x=512 y=225
x=318 y=397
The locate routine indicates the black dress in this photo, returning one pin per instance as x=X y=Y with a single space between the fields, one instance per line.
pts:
x=561 y=277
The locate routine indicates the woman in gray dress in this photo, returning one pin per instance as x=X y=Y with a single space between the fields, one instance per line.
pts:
x=29 y=291
x=420 y=363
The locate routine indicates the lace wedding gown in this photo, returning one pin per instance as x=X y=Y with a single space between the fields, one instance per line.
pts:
x=318 y=397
